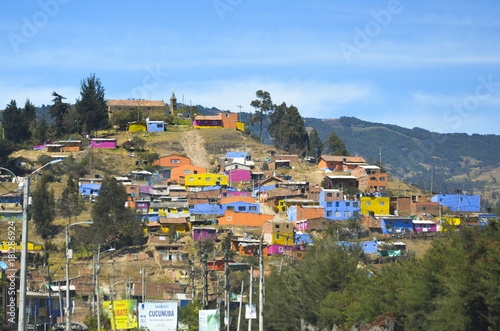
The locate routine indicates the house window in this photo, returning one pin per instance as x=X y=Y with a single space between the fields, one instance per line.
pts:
x=355 y=204
x=276 y=226
x=373 y=178
x=368 y=203
x=337 y=204
x=229 y=218
x=347 y=214
x=329 y=194
x=424 y=208
x=226 y=115
x=355 y=213
x=382 y=178
x=187 y=172
x=219 y=179
x=191 y=179
x=406 y=222
x=97 y=142
x=329 y=213
x=253 y=208
x=382 y=188
x=280 y=249
x=338 y=194
x=347 y=204
x=207 y=179
x=175 y=161
x=329 y=204
x=382 y=203
x=287 y=226
x=215 y=122
x=132 y=187
x=241 y=208
x=159 y=126
x=230 y=208
x=337 y=214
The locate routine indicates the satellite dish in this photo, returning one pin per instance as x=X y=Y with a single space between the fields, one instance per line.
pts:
x=3 y=265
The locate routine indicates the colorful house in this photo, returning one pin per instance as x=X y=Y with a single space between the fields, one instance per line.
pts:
x=370 y=178
x=233 y=218
x=155 y=126
x=205 y=179
x=240 y=205
x=300 y=213
x=89 y=190
x=278 y=232
x=459 y=202
x=313 y=224
x=340 y=182
x=168 y=208
x=10 y=198
x=214 y=121
x=174 y=224
x=340 y=163
x=375 y=205
x=451 y=224
x=200 y=233
x=238 y=175
x=103 y=143
x=187 y=169
x=395 y=224
x=424 y=226
x=341 y=210
x=172 y=161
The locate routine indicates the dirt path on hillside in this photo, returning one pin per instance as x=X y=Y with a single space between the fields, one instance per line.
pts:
x=194 y=147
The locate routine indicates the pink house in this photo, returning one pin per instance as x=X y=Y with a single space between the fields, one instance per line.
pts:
x=424 y=226
x=238 y=175
x=103 y=143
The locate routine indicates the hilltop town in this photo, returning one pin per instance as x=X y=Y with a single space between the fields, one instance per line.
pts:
x=210 y=201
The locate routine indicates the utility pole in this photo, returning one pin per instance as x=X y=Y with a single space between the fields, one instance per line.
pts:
x=192 y=280
x=68 y=310
x=226 y=269
x=112 y=304
x=93 y=284
x=241 y=302
x=240 y=112
x=24 y=258
x=261 y=286
x=143 y=284
x=250 y=294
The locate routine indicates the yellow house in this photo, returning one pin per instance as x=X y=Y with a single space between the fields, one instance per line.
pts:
x=377 y=205
x=240 y=126
x=278 y=232
x=168 y=208
x=136 y=126
x=6 y=246
x=449 y=223
x=205 y=180
x=172 y=225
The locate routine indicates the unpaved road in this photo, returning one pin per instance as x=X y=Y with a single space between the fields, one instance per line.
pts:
x=193 y=146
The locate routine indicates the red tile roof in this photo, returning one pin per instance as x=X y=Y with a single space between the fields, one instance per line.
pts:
x=133 y=103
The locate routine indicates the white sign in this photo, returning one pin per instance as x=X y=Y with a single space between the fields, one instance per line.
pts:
x=209 y=320
x=158 y=316
x=250 y=312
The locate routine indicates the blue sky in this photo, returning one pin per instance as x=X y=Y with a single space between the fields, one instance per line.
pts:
x=432 y=64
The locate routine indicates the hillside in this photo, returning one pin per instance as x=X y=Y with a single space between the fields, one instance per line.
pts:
x=459 y=161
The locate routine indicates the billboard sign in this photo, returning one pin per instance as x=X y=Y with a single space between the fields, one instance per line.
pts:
x=209 y=320
x=125 y=313
x=158 y=316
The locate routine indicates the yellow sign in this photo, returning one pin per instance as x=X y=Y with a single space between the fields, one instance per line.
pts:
x=125 y=313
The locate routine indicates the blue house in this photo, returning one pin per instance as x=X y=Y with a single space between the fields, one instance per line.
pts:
x=10 y=198
x=241 y=207
x=155 y=126
x=302 y=238
x=396 y=224
x=342 y=210
x=459 y=202
x=89 y=190
x=234 y=155
x=206 y=209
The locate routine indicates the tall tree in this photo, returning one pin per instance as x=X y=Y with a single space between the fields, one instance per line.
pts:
x=29 y=119
x=58 y=111
x=316 y=147
x=70 y=204
x=40 y=131
x=12 y=121
x=113 y=222
x=91 y=107
x=288 y=129
x=336 y=146
x=263 y=105
x=43 y=208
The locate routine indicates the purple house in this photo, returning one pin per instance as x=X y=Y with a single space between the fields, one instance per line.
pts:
x=238 y=175
x=200 y=233
x=424 y=226
x=103 y=143
x=279 y=249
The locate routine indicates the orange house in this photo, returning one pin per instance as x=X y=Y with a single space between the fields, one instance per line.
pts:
x=370 y=178
x=244 y=219
x=133 y=193
x=229 y=120
x=184 y=170
x=248 y=247
x=172 y=161
x=223 y=201
x=340 y=163
x=306 y=212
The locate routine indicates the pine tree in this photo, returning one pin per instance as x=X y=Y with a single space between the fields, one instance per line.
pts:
x=91 y=107
x=70 y=204
x=29 y=119
x=43 y=208
x=336 y=146
x=57 y=111
x=263 y=105
x=316 y=144
x=12 y=121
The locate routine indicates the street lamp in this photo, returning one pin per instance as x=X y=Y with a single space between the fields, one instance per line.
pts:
x=68 y=252
x=24 y=250
x=97 y=285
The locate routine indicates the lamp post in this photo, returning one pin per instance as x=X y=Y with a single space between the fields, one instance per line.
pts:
x=97 y=286
x=68 y=252
x=24 y=250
